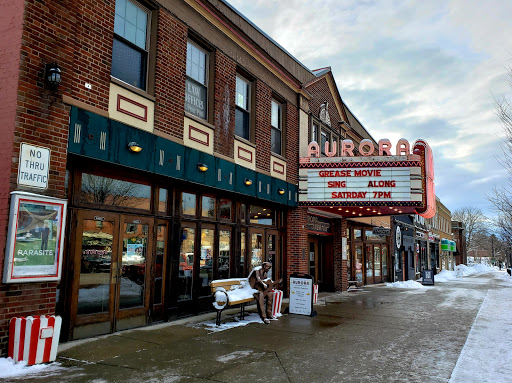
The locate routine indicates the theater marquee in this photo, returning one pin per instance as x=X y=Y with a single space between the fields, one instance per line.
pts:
x=369 y=185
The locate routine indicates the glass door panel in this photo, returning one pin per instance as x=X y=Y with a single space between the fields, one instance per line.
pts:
x=369 y=264
x=256 y=250
x=161 y=246
x=243 y=253
x=271 y=255
x=95 y=263
x=132 y=265
x=376 y=258
x=359 y=263
x=224 y=253
x=384 y=261
x=206 y=261
x=186 y=266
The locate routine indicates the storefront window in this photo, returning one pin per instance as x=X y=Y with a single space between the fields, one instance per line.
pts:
x=349 y=270
x=162 y=201
x=186 y=266
x=224 y=253
x=206 y=261
x=243 y=252
x=225 y=209
x=262 y=215
x=243 y=213
x=376 y=258
x=256 y=250
x=114 y=192
x=188 y=204
x=359 y=264
x=372 y=237
x=357 y=234
x=208 y=207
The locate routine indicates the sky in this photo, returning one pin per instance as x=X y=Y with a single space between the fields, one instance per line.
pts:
x=412 y=69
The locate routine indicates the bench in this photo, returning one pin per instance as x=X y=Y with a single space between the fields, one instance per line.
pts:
x=352 y=283
x=231 y=292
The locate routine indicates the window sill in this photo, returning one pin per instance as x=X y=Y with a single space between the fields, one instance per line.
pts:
x=199 y=120
x=247 y=142
x=131 y=88
x=279 y=156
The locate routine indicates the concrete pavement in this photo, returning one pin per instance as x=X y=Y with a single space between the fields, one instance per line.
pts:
x=375 y=334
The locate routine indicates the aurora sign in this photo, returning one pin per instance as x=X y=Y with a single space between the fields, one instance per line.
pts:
x=369 y=185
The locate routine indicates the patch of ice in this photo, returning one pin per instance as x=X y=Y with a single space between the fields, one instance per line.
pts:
x=233 y=355
x=8 y=369
x=410 y=284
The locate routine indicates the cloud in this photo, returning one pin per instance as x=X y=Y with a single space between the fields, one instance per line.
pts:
x=413 y=69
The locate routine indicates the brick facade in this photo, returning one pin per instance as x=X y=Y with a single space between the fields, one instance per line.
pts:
x=78 y=35
x=340 y=265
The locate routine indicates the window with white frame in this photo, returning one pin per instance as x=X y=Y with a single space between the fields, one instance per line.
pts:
x=242 y=108
x=131 y=43
x=196 y=82
x=277 y=127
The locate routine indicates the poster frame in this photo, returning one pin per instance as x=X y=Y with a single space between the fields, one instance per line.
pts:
x=18 y=197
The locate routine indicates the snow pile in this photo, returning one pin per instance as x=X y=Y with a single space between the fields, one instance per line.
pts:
x=9 y=370
x=410 y=284
x=477 y=268
x=445 y=276
x=505 y=277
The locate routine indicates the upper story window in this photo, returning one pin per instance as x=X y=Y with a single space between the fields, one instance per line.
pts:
x=243 y=112
x=322 y=134
x=277 y=128
x=196 y=83
x=131 y=43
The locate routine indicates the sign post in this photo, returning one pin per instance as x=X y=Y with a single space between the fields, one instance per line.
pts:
x=301 y=295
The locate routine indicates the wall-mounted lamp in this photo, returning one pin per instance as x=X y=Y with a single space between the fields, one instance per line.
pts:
x=247 y=182
x=134 y=147
x=202 y=167
x=52 y=75
x=281 y=191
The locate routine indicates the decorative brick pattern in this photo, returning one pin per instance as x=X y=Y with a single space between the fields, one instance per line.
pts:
x=224 y=104
x=263 y=127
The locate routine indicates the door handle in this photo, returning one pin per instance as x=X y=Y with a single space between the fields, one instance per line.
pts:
x=114 y=273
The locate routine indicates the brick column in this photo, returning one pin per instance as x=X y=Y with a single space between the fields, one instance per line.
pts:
x=297 y=239
x=340 y=265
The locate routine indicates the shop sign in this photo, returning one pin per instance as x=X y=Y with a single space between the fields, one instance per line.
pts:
x=301 y=295
x=420 y=235
x=382 y=231
x=385 y=184
x=195 y=96
x=33 y=166
x=318 y=224
x=427 y=277
x=35 y=238
x=398 y=237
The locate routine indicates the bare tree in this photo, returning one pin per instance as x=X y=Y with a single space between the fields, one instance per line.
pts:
x=474 y=221
x=501 y=197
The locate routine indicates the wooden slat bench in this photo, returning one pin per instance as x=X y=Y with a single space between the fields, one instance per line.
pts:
x=221 y=297
x=352 y=283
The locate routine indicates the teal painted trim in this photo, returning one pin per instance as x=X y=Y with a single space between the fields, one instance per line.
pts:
x=97 y=137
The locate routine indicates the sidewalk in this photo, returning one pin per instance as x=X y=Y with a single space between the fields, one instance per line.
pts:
x=374 y=334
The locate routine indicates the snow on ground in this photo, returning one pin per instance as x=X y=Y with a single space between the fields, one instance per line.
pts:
x=445 y=276
x=210 y=325
x=487 y=353
x=406 y=285
x=234 y=355
x=10 y=370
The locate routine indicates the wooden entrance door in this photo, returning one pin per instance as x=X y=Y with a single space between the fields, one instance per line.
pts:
x=111 y=278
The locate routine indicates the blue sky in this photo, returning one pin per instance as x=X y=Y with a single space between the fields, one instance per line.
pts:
x=412 y=69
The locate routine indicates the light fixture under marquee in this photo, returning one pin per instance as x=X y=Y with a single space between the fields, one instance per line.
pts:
x=134 y=147
x=247 y=182
x=202 y=167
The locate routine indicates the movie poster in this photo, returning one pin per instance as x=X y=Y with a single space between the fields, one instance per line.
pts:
x=35 y=238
